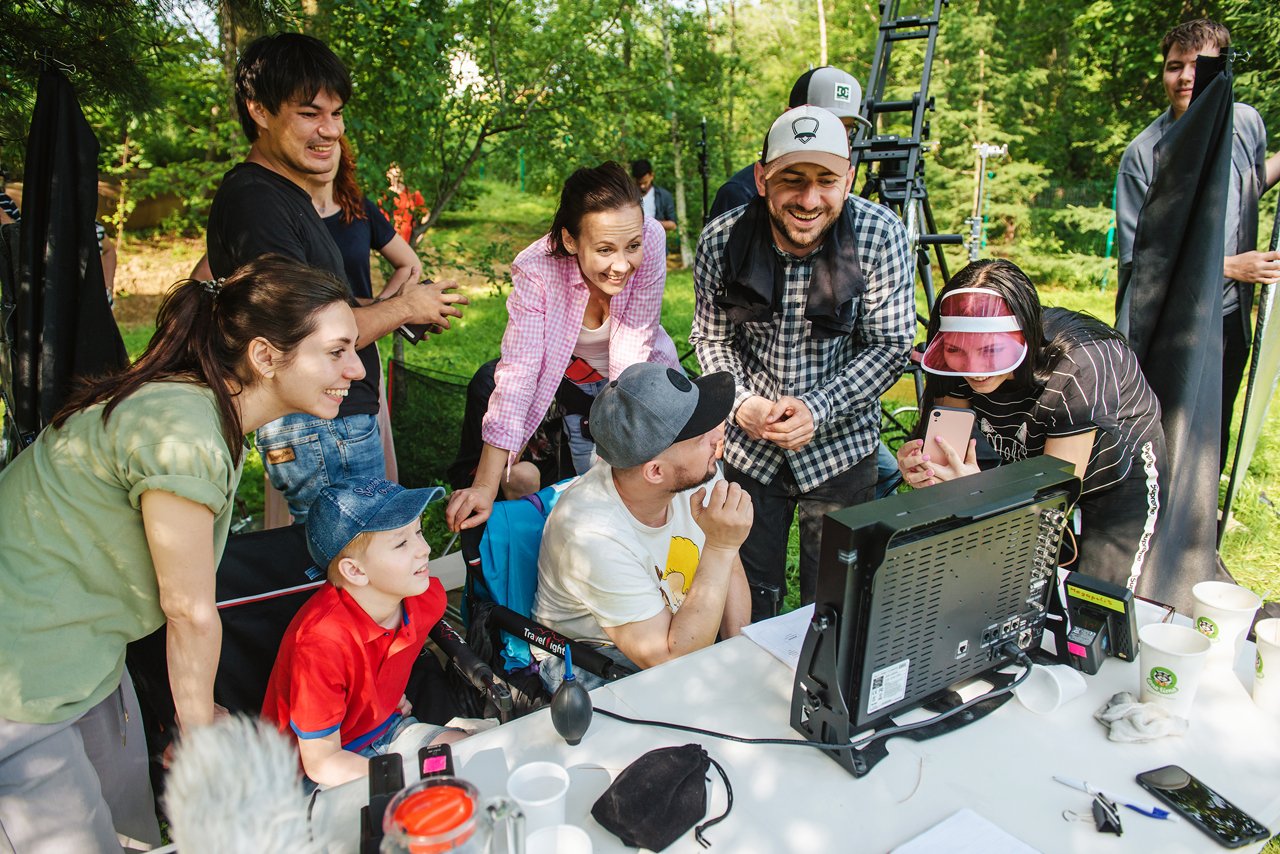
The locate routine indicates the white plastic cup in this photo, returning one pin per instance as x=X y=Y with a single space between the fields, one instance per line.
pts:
x=1266 y=673
x=558 y=839
x=1169 y=664
x=1223 y=613
x=540 y=789
x=1048 y=688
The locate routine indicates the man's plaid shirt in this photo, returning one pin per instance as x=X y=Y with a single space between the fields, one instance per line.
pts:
x=839 y=379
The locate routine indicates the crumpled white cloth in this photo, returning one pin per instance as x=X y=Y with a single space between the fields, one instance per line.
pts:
x=1132 y=722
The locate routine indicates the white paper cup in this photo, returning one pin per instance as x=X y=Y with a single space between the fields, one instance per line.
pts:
x=1169 y=665
x=558 y=839
x=1266 y=673
x=1223 y=613
x=1048 y=688
x=539 y=788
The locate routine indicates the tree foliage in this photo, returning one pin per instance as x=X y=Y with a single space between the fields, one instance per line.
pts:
x=527 y=90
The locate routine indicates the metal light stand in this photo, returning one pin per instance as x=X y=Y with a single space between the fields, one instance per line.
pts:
x=982 y=152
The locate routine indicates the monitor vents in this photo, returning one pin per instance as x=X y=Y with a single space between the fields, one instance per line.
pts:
x=996 y=570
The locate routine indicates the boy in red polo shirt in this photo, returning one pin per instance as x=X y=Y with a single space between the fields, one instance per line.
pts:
x=340 y=676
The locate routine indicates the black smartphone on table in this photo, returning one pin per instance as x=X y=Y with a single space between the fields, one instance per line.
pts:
x=1229 y=825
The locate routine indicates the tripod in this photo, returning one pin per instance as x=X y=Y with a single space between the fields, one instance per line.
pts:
x=895 y=168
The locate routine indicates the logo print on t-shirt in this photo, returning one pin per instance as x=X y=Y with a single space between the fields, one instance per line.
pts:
x=682 y=562
x=1010 y=449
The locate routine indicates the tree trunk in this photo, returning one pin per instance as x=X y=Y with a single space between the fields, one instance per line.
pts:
x=230 y=49
x=726 y=150
x=822 y=34
x=682 y=222
x=441 y=202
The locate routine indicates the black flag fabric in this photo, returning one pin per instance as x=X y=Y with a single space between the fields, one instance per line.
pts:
x=63 y=324
x=1171 y=309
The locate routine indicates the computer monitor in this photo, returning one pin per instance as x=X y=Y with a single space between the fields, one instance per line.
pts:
x=919 y=592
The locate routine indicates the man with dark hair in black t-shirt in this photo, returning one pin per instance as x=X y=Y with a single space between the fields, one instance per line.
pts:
x=290 y=92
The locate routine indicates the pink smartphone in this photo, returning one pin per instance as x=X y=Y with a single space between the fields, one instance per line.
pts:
x=951 y=423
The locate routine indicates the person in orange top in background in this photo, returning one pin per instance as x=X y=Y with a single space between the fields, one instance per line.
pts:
x=406 y=207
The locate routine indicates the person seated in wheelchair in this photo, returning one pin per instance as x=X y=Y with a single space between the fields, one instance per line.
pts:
x=339 y=679
x=640 y=554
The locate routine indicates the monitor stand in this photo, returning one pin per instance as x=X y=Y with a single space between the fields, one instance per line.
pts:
x=824 y=715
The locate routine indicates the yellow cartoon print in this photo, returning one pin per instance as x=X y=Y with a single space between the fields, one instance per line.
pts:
x=682 y=562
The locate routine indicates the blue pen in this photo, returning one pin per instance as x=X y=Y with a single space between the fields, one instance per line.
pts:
x=1141 y=809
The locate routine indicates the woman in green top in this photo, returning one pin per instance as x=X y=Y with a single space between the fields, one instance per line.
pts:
x=113 y=523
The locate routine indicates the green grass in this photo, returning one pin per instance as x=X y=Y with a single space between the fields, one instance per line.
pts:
x=475 y=246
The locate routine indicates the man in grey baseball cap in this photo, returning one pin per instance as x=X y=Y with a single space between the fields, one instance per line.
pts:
x=640 y=554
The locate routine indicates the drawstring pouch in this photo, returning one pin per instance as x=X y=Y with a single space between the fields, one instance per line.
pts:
x=660 y=796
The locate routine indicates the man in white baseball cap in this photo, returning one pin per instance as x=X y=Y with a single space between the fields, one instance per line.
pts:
x=805 y=296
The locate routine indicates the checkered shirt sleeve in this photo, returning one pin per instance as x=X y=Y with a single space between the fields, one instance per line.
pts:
x=839 y=379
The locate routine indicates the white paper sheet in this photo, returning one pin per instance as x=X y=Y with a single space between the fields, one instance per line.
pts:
x=782 y=636
x=965 y=832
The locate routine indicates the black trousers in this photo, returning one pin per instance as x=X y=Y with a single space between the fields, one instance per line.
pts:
x=1235 y=356
x=1120 y=526
x=764 y=554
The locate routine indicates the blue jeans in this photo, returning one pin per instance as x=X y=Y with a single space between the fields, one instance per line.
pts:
x=382 y=745
x=551 y=670
x=887 y=474
x=580 y=447
x=303 y=454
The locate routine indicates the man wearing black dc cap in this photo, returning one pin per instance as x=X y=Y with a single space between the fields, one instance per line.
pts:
x=641 y=553
x=827 y=87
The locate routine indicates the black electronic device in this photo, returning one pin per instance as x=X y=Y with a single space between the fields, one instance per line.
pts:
x=1103 y=622
x=1229 y=825
x=415 y=332
x=386 y=777
x=435 y=760
x=921 y=591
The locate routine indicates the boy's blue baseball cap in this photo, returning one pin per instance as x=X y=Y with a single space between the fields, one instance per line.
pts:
x=343 y=510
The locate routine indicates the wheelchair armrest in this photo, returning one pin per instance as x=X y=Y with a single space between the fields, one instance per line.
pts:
x=585 y=657
x=472 y=668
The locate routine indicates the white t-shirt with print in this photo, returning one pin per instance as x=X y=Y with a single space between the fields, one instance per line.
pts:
x=599 y=566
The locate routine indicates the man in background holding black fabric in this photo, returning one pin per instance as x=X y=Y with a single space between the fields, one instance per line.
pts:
x=290 y=93
x=1170 y=307
x=1252 y=174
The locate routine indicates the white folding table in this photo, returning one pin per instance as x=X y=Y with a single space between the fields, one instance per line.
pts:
x=797 y=799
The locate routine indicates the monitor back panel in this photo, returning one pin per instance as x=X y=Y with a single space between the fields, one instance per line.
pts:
x=942 y=604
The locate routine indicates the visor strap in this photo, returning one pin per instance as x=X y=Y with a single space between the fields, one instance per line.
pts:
x=1008 y=323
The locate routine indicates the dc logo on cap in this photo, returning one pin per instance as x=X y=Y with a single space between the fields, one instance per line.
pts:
x=843 y=93
x=805 y=129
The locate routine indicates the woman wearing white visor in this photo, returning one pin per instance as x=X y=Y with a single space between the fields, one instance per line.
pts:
x=1051 y=382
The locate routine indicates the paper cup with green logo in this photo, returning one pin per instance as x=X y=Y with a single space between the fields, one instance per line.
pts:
x=1266 y=673
x=1223 y=613
x=1169 y=665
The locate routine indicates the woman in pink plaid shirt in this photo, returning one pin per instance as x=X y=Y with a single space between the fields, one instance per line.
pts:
x=587 y=299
